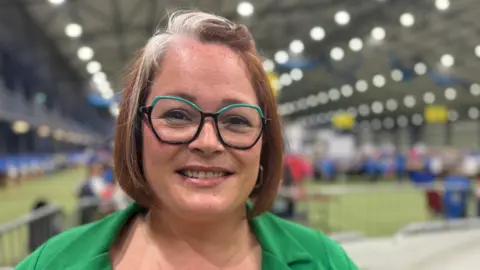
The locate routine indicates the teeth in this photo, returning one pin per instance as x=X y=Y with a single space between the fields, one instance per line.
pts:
x=194 y=174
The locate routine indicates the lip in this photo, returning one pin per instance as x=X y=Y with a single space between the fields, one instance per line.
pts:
x=204 y=182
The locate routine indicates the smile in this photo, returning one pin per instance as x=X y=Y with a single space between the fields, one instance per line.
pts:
x=203 y=174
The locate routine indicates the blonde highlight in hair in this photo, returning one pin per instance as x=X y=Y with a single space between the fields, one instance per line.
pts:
x=207 y=28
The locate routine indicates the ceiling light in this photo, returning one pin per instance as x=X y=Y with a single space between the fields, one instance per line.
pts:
x=302 y=104
x=417 y=119
x=296 y=46
x=391 y=104
x=447 y=60
x=420 y=68
x=85 y=53
x=296 y=74
x=407 y=19
x=355 y=44
x=361 y=85
x=397 y=75
x=442 y=4
x=94 y=67
x=452 y=115
x=477 y=51
x=99 y=78
x=388 y=123
x=322 y=98
x=268 y=65
x=378 y=33
x=402 y=121
x=342 y=17
x=337 y=53
x=347 y=90
x=334 y=94
x=377 y=107
x=73 y=30
x=364 y=110
x=376 y=124
x=473 y=113
x=317 y=33
x=429 y=98
x=281 y=57
x=475 y=89
x=285 y=79
x=450 y=94
x=56 y=2
x=379 y=81
x=352 y=111
x=409 y=101
x=312 y=101
x=245 y=9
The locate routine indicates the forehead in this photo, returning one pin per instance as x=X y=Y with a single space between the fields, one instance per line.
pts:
x=208 y=72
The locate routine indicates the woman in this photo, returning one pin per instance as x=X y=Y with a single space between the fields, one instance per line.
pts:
x=198 y=147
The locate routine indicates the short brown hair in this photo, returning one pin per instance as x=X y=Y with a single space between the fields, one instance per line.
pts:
x=128 y=137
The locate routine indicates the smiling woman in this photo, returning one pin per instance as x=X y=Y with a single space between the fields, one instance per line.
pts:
x=199 y=148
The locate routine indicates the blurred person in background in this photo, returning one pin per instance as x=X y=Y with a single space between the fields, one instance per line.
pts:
x=198 y=147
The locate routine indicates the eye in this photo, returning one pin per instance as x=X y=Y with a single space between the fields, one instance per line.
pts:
x=236 y=121
x=176 y=115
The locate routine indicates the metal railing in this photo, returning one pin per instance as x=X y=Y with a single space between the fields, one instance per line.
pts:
x=20 y=237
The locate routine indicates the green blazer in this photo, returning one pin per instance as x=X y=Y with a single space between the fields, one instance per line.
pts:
x=285 y=245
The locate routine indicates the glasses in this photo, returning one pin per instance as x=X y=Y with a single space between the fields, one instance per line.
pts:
x=175 y=120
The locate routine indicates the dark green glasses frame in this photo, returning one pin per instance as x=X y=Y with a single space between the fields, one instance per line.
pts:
x=147 y=110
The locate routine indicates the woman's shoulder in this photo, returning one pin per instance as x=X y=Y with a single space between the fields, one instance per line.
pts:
x=292 y=237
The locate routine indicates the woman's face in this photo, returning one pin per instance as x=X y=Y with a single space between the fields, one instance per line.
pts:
x=211 y=76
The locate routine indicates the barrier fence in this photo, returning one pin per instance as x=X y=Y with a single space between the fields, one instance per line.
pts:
x=20 y=237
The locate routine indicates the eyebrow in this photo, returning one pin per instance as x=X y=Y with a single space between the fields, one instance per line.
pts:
x=224 y=102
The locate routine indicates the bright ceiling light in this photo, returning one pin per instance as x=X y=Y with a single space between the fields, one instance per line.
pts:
x=429 y=98
x=391 y=105
x=334 y=94
x=317 y=33
x=409 y=101
x=377 y=107
x=312 y=101
x=450 y=93
x=397 y=75
x=361 y=85
x=379 y=81
x=94 y=67
x=402 y=121
x=245 y=9
x=56 y=2
x=477 y=51
x=378 y=33
x=337 y=53
x=73 y=30
x=85 y=53
x=447 y=60
x=420 y=68
x=473 y=113
x=442 y=4
x=355 y=44
x=407 y=19
x=268 y=65
x=364 y=110
x=417 y=119
x=347 y=90
x=281 y=57
x=475 y=89
x=296 y=74
x=342 y=17
x=296 y=46
x=452 y=115
x=285 y=79
x=99 y=77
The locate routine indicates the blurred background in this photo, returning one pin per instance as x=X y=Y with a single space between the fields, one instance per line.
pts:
x=379 y=99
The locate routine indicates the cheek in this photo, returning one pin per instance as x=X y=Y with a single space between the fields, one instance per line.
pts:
x=156 y=155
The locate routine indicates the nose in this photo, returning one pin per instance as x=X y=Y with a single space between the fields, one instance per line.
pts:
x=207 y=142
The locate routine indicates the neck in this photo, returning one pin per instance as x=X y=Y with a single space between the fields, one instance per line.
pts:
x=210 y=238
